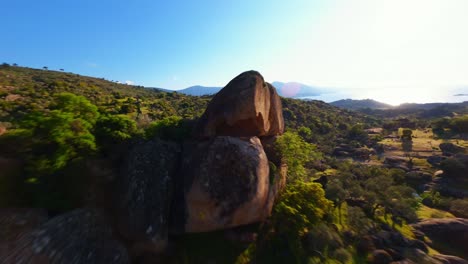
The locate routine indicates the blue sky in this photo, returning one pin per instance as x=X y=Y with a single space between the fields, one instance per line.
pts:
x=369 y=47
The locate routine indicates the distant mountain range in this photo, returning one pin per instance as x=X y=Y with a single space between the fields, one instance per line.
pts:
x=289 y=89
x=360 y=104
x=199 y=90
x=295 y=89
x=376 y=105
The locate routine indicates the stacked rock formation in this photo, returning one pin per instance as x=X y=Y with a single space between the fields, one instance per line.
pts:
x=226 y=174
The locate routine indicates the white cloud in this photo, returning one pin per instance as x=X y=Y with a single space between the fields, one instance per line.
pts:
x=130 y=82
x=92 y=64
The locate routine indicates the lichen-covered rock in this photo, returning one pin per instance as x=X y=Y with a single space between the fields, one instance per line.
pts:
x=80 y=236
x=247 y=106
x=14 y=222
x=145 y=194
x=225 y=184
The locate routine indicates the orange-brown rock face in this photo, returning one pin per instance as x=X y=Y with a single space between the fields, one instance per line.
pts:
x=247 y=106
x=226 y=184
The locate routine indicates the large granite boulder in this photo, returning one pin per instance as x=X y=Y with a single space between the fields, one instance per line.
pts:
x=448 y=232
x=145 y=192
x=224 y=182
x=247 y=106
x=80 y=236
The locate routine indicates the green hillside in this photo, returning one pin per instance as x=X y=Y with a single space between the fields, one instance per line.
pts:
x=351 y=177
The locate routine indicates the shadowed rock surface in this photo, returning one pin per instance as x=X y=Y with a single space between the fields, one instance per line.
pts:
x=446 y=259
x=447 y=231
x=146 y=192
x=80 y=236
x=246 y=107
x=226 y=184
x=449 y=149
x=14 y=223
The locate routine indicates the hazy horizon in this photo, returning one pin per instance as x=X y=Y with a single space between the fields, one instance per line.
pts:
x=391 y=51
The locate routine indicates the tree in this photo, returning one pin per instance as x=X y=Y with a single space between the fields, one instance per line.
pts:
x=460 y=124
x=112 y=129
x=358 y=221
x=77 y=105
x=45 y=68
x=358 y=133
x=299 y=208
x=61 y=134
x=407 y=134
x=336 y=193
x=296 y=153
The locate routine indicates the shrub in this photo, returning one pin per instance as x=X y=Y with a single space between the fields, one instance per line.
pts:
x=111 y=129
x=170 y=128
x=342 y=255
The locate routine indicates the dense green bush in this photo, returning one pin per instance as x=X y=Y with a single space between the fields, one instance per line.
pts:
x=459 y=124
x=296 y=153
x=300 y=208
x=173 y=128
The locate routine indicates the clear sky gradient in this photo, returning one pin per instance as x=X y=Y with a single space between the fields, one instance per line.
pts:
x=366 y=48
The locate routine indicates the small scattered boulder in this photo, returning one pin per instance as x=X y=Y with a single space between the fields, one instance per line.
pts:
x=365 y=245
x=80 y=236
x=380 y=256
x=435 y=160
x=419 y=245
x=145 y=192
x=247 y=106
x=449 y=149
x=395 y=160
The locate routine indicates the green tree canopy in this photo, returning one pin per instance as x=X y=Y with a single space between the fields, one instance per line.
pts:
x=296 y=153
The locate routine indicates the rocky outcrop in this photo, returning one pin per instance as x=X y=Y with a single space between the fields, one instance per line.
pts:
x=448 y=231
x=81 y=236
x=226 y=184
x=145 y=193
x=16 y=222
x=246 y=106
x=449 y=149
x=228 y=180
x=446 y=259
x=380 y=256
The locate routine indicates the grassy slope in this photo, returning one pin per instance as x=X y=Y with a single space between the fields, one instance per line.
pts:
x=25 y=89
